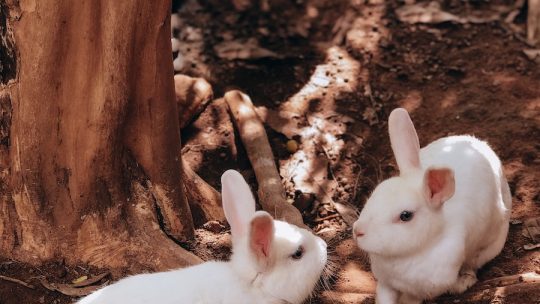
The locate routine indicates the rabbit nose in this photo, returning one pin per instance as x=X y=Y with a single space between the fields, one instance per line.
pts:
x=357 y=232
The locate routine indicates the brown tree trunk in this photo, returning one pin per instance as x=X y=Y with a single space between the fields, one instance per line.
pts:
x=94 y=174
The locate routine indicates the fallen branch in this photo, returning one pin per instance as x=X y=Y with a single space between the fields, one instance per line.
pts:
x=204 y=201
x=69 y=290
x=16 y=281
x=271 y=193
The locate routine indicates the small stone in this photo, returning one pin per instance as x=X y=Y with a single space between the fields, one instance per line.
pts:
x=292 y=146
x=321 y=81
x=516 y=222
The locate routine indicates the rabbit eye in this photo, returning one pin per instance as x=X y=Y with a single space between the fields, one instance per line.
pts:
x=298 y=254
x=406 y=216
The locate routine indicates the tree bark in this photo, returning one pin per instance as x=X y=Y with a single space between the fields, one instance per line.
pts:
x=94 y=173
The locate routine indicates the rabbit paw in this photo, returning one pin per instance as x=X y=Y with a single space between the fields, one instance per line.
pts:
x=466 y=279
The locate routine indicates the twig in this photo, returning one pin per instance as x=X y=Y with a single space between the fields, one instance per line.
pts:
x=330 y=165
x=16 y=281
x=69 y=290
x=355 y=187
x=322 y=219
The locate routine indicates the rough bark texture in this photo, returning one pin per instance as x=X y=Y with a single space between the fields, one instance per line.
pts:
x=271 y=193
x=94 y=141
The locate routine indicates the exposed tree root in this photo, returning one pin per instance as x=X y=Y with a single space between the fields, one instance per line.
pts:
x=271 y=193
x=203 y=199
x=533 y=22
x=141 y=245
x=192 y=96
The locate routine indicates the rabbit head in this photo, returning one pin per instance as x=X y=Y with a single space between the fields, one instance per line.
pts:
x=403 y=214
x=279 y=259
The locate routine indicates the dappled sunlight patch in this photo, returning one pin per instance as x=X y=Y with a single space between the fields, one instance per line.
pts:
x=449 y=100
x=531 y=109
x=411 y=101
x=503 y=79
x=339 y=73
x=326 y=149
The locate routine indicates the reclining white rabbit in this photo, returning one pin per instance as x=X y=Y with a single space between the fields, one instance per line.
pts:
x=272 y=262
x=429 y=229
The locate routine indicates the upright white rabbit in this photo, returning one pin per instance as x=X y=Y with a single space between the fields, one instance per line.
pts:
x=272 y=262
x=429 y=229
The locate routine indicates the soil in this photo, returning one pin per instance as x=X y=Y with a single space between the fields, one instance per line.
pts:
x=342 y=66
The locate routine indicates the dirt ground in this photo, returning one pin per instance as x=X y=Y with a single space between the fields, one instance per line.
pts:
x=326 y=74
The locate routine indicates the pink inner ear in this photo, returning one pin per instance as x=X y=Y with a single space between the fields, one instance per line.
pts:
x=262 y=233
x=440 y=185
x=436 y=181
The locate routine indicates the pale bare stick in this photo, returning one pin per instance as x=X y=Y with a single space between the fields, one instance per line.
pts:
x=271 y=193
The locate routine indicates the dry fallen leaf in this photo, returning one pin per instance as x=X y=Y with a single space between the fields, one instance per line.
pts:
x=80 y=280
x=370 y=115
x=80 y=287
x=531 y=229
x=531 y=246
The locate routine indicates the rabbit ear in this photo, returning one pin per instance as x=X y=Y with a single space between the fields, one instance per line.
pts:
x=439 y=185
x=404 y=140
x=238 y=202
x=261 y=237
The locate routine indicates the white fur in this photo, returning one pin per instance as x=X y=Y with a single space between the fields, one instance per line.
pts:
x=441 y=248
x=242 y=280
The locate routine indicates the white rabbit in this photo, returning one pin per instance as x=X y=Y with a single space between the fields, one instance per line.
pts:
x=272 y=262
x=429 y=229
